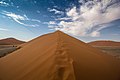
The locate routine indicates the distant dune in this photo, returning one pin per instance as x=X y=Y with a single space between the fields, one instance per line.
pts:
x=109 y=47
x=10 y=41
x=104 y=43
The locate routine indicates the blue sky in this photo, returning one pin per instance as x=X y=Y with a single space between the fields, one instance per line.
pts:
x=86 y=20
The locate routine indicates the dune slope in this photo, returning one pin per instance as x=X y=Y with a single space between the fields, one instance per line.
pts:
x=58 y=56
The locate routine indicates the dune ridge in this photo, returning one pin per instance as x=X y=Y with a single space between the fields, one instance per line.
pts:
x=10 y=41
x=64 y=63
x=104 y=43
x=58 y=56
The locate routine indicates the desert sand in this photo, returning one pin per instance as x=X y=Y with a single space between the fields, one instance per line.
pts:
x=58 y=56
x=10 y=41
x=104 y=43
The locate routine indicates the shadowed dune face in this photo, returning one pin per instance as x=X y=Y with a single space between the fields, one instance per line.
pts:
x=104 y=43
x=10 y=41
x=58 y=56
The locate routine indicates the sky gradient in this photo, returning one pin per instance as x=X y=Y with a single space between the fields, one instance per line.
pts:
x=86 y=20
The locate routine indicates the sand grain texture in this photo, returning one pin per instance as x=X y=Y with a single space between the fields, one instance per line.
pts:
x=58 y=56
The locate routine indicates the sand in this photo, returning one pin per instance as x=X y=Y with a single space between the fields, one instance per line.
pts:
x=10 y=41
x=58 y=56
x=104 y=43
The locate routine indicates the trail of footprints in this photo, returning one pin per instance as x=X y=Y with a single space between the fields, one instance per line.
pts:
x=63 y=61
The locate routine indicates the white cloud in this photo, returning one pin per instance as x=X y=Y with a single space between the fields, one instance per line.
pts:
x=35 y=20
x=73 y=12
x=52 y=22
x=65 y=18
x=85 y=20
x=55 y=11
x=3 y=29
x=14 y=16
x=19 y=19
x=95 y=34
x=2 y=3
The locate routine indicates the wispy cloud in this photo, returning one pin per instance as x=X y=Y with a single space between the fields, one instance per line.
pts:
x=21 y=19
x=90 y=18
x=52 y=22
x=64 y=18
x=55 y=11
x=3 y=29
x=3 y=3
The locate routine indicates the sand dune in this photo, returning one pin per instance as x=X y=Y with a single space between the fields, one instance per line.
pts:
x=58 y=56
x=10 y=41
x=104 y=43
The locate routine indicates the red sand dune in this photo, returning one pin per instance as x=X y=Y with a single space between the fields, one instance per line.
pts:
x=10 y=41
x=58 y=56
x=104 y=43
